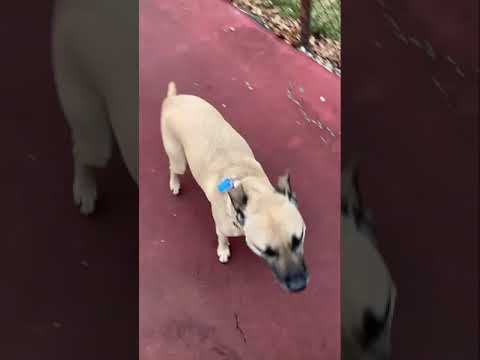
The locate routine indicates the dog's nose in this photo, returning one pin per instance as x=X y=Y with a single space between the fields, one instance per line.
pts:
x=296 y=282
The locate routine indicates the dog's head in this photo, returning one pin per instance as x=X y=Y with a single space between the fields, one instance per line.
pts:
x=274 y=230
x=368 y=294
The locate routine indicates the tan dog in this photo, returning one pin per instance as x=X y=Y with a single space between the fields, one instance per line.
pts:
x=368 y=294
x=195 y=133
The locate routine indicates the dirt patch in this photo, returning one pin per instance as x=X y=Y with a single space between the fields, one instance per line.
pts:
x=326 y=52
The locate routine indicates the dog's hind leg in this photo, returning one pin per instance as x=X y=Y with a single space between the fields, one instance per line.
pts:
x=176 y=159
x=90 y=130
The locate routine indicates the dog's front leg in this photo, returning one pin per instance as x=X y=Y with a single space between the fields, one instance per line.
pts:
x=223 y=248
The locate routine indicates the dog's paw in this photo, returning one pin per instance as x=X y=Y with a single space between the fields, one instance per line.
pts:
x=85 y=196
x=175 y=185
x=223 y=253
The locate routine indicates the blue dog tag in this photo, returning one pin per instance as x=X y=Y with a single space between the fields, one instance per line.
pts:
x=225 y=185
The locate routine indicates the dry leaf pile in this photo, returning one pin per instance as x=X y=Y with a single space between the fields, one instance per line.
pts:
x=324 y=51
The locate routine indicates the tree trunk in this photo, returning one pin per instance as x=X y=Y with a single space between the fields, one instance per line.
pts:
x=305 y=11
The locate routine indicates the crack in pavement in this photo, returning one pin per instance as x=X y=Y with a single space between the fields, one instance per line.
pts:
x=429 y=50
x=239 y=329
x=299 y=105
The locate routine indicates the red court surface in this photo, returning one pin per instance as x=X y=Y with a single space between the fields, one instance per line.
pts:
x=191 y=306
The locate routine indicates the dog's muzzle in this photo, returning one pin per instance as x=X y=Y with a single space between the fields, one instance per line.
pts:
x=296 y=282
x=295 y=279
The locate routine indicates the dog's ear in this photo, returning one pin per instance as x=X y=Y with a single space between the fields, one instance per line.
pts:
x=284 y=187
x=283 y=184
x=239 y=200
x=351 y=199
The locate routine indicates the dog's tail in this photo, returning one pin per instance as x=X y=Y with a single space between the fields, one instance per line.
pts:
x=172 y=89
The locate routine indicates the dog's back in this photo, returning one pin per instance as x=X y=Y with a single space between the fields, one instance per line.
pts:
x=201 y=131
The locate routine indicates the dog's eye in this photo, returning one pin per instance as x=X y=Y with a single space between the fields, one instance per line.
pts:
x=270 y=252
x=372 y=327
x=295 y=242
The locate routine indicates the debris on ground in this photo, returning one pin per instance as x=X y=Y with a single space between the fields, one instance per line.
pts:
x=298 y=101
x=248 y=86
